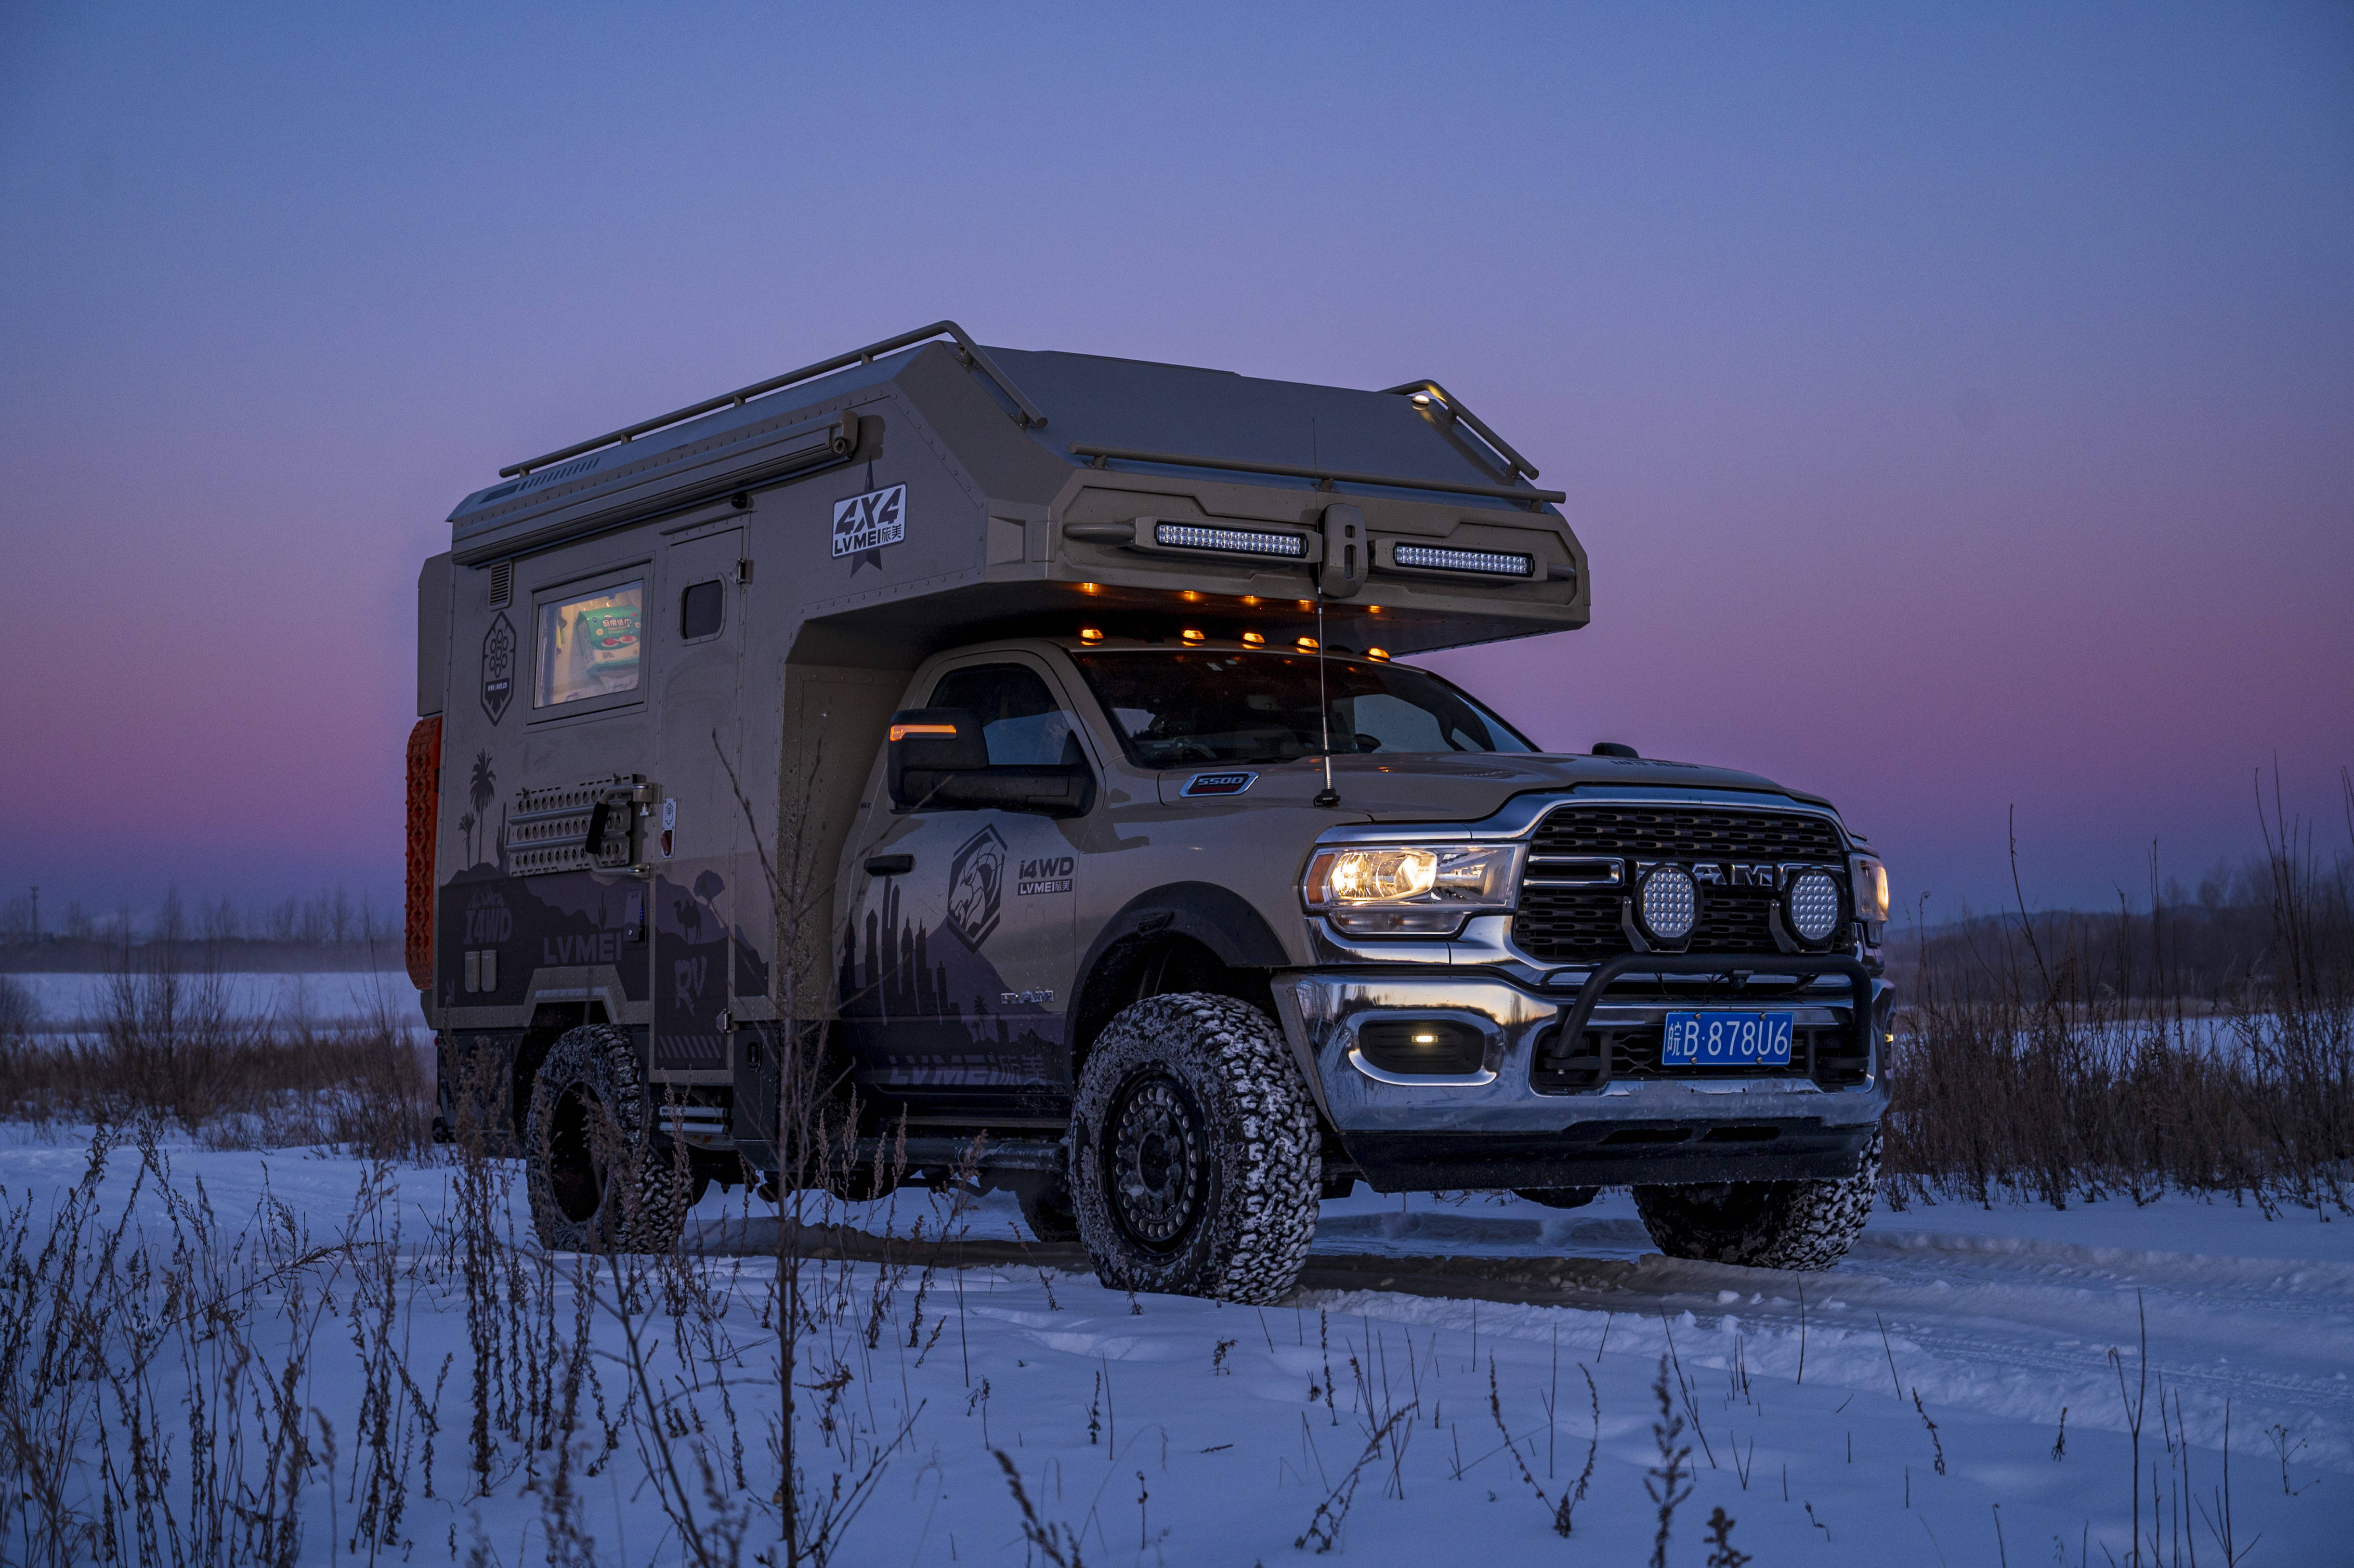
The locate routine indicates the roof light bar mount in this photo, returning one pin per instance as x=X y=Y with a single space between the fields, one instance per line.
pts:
x=969 y=353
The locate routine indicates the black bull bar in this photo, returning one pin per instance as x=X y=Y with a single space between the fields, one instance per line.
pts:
x=1590 y=994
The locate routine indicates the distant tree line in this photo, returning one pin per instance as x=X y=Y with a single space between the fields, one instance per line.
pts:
x=331 y=926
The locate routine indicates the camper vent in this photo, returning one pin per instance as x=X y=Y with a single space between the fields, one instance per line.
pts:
x=576 y=827
x=502 y=584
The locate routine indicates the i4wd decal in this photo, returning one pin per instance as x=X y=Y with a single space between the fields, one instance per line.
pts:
x=1047 y=873
x=498 y=666
x=864 y=524
x=977 y=886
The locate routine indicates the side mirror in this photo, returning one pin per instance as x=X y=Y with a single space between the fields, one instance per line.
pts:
x=936 y=760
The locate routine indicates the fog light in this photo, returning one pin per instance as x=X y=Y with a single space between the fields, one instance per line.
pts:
x=1431 y=1045
x=1667 y=905
x=1810 y=907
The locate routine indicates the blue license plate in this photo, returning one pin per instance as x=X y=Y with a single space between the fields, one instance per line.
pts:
x=1727 y=1040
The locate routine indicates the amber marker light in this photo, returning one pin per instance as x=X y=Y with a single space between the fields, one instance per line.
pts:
x=1190 y=597
x=1250 y=598
x=1308 y=604
x=1380 y=653
x=1190 y=635
x=902 y=731
x=1254 y=639
x=1091 y=587
x=1372 y=610
x=1308 y=643
x=1090 y=634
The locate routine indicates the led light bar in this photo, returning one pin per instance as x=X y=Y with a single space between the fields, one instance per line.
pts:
x=1241 y=541
x=1490 y=563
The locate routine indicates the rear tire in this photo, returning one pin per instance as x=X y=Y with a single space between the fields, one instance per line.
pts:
x=595 y=1180
x=1196 y=1164
x=1799 y=1225
x=1047 y=1211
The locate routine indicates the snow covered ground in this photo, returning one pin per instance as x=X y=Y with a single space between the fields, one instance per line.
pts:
x=1907 y=1409
x=72 y=1001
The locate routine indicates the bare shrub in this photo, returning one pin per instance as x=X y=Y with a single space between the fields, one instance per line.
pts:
x=2058 y=1056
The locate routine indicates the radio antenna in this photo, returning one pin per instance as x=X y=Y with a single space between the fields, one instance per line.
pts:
x=1331 y=796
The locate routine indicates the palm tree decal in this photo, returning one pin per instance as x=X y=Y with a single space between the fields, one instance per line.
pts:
x=466 y=826
x=484 y=787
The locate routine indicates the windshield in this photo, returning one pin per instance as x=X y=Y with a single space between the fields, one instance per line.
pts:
x=1195 y=705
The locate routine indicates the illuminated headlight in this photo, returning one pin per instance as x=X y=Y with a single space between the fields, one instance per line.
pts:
x=1810 y=907
x=1871 y=890
x=1419 y=890
x=1666 y=906
x=1490 y=563
x=1243 y=541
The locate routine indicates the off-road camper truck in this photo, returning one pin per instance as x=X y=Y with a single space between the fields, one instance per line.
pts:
x=1017 y=738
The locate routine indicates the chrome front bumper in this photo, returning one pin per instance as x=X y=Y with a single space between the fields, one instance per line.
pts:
x=1323 y=1010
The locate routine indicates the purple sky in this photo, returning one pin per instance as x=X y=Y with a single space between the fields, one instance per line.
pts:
x=1957 y=402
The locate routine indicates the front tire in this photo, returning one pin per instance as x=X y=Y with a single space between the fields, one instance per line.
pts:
x=1800 y=1226
x=1195 y=1155
x=596 y=1182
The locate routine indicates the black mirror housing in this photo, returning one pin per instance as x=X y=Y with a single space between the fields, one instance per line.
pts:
x=936 y=760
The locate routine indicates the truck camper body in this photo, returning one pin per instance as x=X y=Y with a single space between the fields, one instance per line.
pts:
x=944 y=711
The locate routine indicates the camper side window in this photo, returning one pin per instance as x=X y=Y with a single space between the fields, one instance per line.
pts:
x=589 y=646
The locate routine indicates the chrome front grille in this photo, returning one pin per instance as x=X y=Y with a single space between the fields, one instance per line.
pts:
x=1582 y=858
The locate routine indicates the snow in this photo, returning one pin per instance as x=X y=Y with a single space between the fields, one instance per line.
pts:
x=1217 y=1441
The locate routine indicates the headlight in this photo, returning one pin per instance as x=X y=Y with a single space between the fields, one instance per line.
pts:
x=1871 y=890
x=1419 y=890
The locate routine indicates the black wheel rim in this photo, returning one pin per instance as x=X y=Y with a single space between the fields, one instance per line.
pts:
x=1157 y=1165
x=573 y=1178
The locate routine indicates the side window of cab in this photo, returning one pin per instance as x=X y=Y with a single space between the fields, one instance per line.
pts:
x=1021 y=722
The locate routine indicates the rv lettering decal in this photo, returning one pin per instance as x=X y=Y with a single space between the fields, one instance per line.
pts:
x=864 y=524
x=686 y=979
x=498 y=666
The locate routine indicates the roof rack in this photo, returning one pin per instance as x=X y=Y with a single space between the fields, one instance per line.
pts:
x=1425 y=390
x=1325 y=477
x=967 y=350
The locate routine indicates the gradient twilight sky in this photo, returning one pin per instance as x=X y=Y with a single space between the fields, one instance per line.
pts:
x=1958 y=401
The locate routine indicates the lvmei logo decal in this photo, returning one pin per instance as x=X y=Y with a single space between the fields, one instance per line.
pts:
x=1050 y=873
x=864 y=524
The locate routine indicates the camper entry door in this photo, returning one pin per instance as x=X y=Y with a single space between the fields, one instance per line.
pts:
x=696 y=619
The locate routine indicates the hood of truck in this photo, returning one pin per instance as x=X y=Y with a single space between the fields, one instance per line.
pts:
x=1402 y=787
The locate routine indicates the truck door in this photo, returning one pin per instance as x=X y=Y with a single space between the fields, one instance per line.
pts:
x=955 y=969
x=696 y=623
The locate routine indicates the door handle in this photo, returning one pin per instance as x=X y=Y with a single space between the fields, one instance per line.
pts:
x=889 y=864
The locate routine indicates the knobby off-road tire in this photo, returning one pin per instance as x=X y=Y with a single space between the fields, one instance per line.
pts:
x=1803 y=1225
x=595 y=1180
x=1047 y=1211
x=1195 y=1157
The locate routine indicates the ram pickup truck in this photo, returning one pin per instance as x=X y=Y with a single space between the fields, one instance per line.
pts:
x=958 y=764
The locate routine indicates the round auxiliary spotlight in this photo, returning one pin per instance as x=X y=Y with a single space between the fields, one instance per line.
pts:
x=1810 y=907
x=1666 y=906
